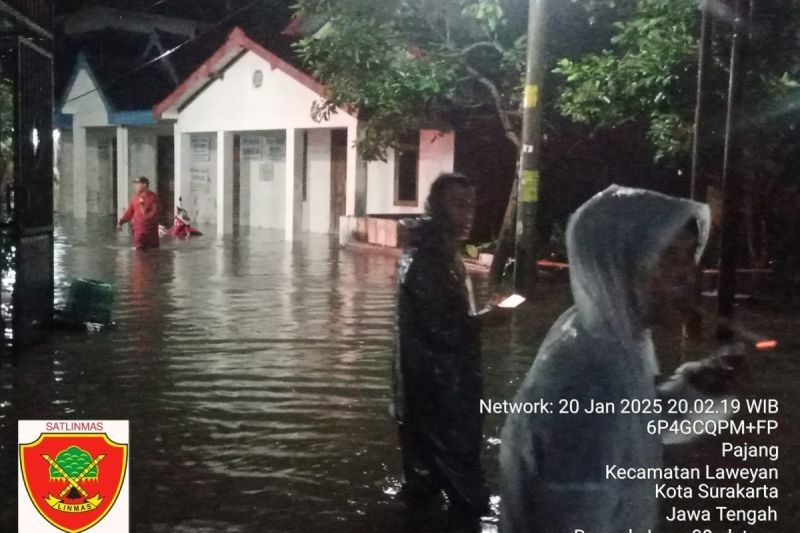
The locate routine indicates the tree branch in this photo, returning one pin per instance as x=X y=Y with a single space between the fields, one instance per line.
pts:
x=482 y=44
x=497 y=99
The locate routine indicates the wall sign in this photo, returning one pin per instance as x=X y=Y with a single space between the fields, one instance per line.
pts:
x=275 y=147
x=199 y=180
x=201 y=148
x=252 y=147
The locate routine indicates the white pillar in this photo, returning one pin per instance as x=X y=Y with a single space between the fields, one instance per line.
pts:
x=352 y=170
x=224 y=182
x=290 y=211
x=149 y=149
x=79 y=169
x=123 y=170
x=181 y=163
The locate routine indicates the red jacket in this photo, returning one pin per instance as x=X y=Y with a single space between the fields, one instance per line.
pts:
x=144 y=214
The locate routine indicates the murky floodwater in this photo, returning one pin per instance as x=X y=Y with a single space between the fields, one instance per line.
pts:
x=255 y=375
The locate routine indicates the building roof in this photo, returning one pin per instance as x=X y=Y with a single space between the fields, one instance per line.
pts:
x=237 y=44
x=123 y=74
x=102 y=18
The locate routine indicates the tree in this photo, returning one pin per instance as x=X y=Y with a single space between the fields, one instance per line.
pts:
x=648 y=76
x=408 y=62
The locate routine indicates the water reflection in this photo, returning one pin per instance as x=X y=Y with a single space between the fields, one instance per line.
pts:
x=255 y=374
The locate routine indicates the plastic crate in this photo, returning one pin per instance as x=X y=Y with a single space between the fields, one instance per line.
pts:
x=90 y=301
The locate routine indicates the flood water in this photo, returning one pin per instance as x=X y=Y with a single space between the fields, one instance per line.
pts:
x=255 y=375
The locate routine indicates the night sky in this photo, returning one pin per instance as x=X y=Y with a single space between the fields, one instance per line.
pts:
x=262 y=20
x=205 y=10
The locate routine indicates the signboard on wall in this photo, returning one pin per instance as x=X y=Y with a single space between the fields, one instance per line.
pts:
x=199 y=180
x=276 y=147
x=201 y=148
x=252 y=147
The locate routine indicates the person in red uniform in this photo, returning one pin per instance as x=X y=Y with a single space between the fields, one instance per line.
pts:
x=143 y=209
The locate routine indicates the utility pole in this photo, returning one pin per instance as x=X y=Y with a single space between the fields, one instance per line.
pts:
x=700 y=144
x=701 y=127
x=525 y=274
x=732 y=171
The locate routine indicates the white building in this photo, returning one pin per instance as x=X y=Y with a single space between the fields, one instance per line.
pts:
x=107 y=133
x=249 y=153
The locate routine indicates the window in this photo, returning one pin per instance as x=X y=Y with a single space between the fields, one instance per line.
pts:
x=406 y=181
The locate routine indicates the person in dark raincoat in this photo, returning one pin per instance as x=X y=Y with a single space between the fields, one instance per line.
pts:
x=632 y=254
x=437 y=384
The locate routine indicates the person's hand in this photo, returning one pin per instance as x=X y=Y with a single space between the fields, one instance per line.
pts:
x=492 y=315
x=731 y=357
x=717 y=372
x=119 y=226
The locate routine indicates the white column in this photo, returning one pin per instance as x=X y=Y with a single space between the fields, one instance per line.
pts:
x=224 y=182
x=352 y=170
x=290 y=185
x=149 y=149
x=181 y=163
x=79 y=169
x=123 y=170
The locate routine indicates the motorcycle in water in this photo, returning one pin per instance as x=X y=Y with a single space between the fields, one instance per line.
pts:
x=181 y=226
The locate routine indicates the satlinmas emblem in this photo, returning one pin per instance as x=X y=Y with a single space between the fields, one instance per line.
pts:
x=73 y=479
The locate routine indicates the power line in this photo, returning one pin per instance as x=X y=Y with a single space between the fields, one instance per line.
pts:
x=157 y=4
x=171 y=50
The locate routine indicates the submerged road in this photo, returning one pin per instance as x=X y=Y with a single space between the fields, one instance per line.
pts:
x=255 y=375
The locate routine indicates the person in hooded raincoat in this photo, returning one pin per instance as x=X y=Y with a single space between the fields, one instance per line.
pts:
x=553 y=466
x=436 y=371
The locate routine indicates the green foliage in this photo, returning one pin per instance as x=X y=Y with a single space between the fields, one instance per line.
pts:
x=488 y=13
x=646 y=76
x=408 y=63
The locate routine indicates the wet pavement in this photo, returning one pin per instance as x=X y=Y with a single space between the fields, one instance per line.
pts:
x=255 y=375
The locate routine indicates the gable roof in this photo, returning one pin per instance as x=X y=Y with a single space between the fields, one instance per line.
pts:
x=98 y=18
x=237 y=44
x=122 y=85
x=81 y=64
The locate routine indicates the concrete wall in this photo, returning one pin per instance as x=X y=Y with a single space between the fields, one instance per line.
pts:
x=233 y=103
x=84 y=99
x=199 y=187
x=142 y=155
x=436 y=155
x=93 y=170
x=100 y=171
x=317 y=207
x=263 y=181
